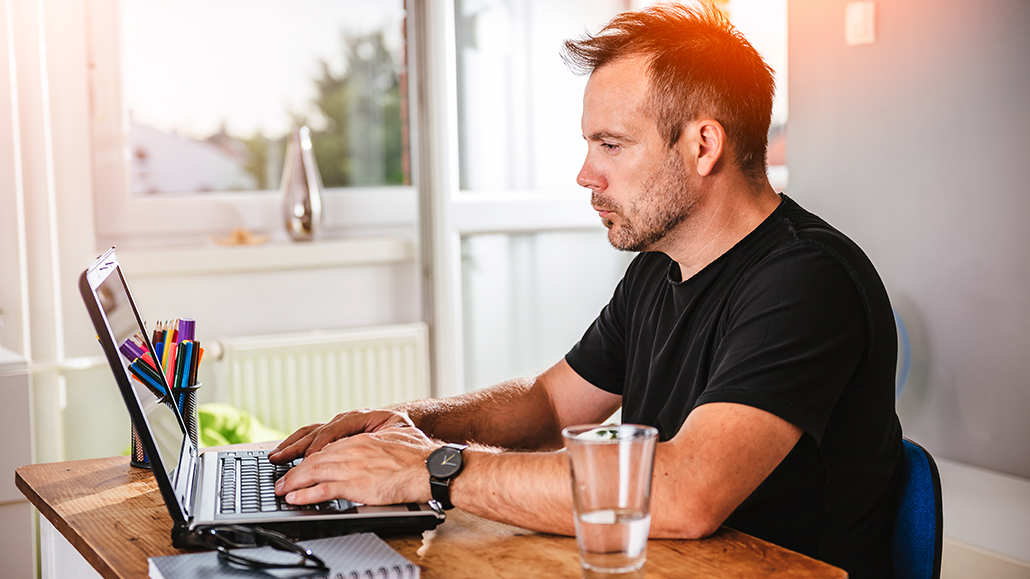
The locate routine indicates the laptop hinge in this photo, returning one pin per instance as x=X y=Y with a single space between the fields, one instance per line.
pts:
x=192 y=483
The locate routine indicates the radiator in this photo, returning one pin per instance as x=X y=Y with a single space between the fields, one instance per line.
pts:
x=289 y=380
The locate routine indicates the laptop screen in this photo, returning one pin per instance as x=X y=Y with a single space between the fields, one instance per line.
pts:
x=123 y=322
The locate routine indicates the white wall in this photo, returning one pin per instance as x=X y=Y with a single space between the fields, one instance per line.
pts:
x=916 y=147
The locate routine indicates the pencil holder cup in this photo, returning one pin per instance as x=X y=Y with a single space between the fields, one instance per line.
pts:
x=137 y=454
x=186 y=402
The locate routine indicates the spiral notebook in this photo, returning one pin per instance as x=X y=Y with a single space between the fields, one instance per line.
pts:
x=357 y=556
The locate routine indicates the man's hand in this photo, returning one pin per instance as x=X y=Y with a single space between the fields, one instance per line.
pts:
x=377 y=468
x=312 y=438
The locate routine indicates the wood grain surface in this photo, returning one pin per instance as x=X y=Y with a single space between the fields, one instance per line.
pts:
x=114 y=516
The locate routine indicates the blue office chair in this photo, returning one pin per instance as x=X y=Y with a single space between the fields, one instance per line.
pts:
x=919 y=522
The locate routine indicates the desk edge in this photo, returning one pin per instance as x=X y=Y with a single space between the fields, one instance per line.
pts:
x=62 y=526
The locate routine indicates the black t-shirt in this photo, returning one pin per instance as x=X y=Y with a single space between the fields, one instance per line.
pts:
x=793 y=320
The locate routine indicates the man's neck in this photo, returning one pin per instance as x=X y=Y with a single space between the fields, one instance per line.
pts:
x=720 y=219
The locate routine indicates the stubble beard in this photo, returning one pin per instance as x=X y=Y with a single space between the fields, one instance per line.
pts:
x=666 y=200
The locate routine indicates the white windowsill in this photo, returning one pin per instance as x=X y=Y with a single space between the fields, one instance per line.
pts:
x=272 y=256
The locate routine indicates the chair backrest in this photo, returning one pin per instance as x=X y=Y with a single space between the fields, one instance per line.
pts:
x=919 y=522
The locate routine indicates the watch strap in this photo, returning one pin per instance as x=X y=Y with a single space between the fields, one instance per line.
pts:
x=441 y=490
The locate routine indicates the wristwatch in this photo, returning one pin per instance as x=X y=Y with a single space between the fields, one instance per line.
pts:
x=444 y=464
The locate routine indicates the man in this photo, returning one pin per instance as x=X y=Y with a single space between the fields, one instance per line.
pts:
x=757 y=339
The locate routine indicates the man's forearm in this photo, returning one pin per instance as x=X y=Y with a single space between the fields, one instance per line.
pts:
x=511 y=415
x=527 y=489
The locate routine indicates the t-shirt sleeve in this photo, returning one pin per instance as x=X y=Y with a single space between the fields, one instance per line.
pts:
x=600 y=355
x=795 y=331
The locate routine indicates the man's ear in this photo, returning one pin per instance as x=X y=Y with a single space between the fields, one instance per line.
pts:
x=709 y=140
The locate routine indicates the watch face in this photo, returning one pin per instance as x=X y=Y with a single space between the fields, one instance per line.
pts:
x=445 y=462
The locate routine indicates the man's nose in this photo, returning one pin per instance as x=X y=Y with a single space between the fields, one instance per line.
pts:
x=591 y=178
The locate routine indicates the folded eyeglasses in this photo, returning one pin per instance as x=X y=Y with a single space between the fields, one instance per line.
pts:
x=229 y=540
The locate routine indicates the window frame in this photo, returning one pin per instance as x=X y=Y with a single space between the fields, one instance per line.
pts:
x=447 y=212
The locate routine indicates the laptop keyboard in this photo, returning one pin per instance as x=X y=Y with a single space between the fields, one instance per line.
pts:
x=248 y=486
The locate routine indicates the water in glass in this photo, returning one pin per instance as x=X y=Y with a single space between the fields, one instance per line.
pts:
x=612 y=541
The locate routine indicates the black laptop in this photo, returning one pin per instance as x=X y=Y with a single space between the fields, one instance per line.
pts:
x=210 y=489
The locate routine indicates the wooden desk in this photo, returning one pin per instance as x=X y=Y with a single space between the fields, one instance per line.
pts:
x=114 y=516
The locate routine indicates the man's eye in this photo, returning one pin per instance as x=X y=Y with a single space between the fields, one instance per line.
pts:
x=611 y=147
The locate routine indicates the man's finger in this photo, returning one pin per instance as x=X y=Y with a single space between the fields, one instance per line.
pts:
x=307 y=474
x=297 y=435
x=316 y=494
x=295 y=445
x=344 y=425
x=319 y=440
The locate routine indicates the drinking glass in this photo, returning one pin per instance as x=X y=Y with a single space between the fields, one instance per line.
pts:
x=611 y=494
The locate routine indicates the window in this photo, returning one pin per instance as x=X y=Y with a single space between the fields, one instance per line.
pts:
x=193 y=101
x=518 y=105
x=209 y=110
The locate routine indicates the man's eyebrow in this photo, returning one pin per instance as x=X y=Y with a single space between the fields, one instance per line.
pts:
x=609 y=136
